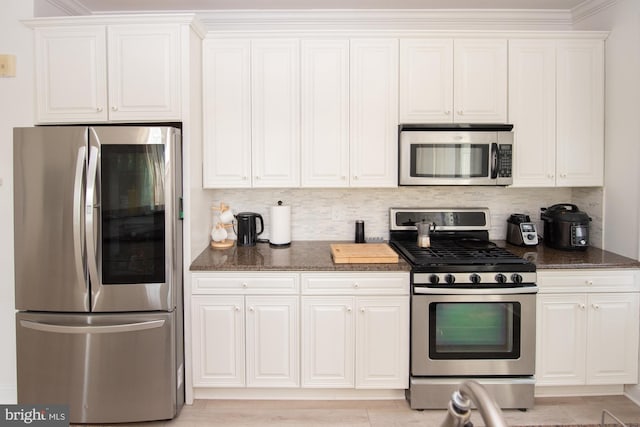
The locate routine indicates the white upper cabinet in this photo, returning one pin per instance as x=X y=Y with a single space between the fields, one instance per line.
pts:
x=532 y=110
x=556 y=104
x=275 y=111
x=140 y=81
x=144 y=72
x=580 y=124
x=325 y=113
x=444 y=80
x=426 y=80
x=71 y=74
x=227 y=113
x=251 y=105
x=374 y=112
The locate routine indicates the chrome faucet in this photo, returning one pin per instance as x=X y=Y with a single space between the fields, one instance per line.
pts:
x=459 y=409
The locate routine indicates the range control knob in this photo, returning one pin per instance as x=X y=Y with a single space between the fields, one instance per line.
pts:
x=475 y=278
x=516 y=278
x=450 y=279
x=434 y=279
x=501 y=278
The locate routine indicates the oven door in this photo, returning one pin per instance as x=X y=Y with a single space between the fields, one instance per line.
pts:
x=479 y=335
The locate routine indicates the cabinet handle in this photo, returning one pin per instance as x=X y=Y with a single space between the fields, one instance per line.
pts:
x=550 y=176
x=460 y=112
x=356 y=285
x=582 y=306
x=236 y=308
x=244 y=178
x=252 y=309
x=245 y=285
x=589 y=282
x=362 y=310
x=114 y=108
x=446 y=113
x=595 y=306
x=563 y=175
x=355 y=177
x=344 y=178
x=257 y=177
x=99 y=109
x=349 y=309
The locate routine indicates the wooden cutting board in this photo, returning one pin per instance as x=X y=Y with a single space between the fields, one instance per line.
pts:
x=363 y=253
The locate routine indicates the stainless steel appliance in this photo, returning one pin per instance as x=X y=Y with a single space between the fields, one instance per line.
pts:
x=98 y=271
x=565 y=227
x=521 y=231
x=455 y=154
x=248 y=228
x=473 y=309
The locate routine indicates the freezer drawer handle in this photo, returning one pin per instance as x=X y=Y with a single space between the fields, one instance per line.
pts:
x=65 y=329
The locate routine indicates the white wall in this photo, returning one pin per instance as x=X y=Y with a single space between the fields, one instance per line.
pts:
x=622 y=125
x=16 y=109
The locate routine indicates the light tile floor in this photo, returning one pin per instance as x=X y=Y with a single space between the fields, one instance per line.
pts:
x=388 y=413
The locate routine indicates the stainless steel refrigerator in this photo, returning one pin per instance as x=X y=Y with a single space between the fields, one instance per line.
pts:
x=98 y=270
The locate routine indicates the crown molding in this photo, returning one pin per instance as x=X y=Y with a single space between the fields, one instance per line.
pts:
x=69 y=7
x=590 y=8
x=397 y=19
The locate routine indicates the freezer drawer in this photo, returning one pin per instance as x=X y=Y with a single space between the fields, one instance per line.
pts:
x=108 y=368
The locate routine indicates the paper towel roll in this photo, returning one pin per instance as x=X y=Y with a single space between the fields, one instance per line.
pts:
x=280 y=233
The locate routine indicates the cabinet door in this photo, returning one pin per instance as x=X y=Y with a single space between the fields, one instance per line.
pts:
x=612 y=342
x=426 y=80
x=382 y=342
x=532 y=110
x=71 y=74
x=227 y=111
x=275 y=88
x=480 y=81
x=561 y=339
x=144 y=72
x=325 y=113
x=218 y=341
x=328 y=344
x=272 y=341
x=374 y=113
x=580 y=121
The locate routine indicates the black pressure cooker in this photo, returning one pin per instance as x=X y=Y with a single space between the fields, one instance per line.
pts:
x=565 y=227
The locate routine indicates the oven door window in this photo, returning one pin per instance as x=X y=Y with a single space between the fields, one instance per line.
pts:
x=474 y=330
x=450 y=160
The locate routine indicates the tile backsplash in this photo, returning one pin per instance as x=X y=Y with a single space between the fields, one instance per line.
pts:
x=330 y=214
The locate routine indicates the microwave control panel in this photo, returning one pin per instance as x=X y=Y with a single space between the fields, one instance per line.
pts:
x=505 y=160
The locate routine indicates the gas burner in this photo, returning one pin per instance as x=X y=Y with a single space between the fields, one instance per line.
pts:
x=460 y=251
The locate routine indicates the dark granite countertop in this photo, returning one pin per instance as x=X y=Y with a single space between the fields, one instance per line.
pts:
x=316 y=256
x=299 y=256
x=550 y=258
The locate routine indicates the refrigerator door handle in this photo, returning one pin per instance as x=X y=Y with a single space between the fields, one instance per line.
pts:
x=78 y=238
x=92 y=329
x=92 y=258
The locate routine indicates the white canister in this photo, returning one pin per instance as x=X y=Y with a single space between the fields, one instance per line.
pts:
x=280 y=231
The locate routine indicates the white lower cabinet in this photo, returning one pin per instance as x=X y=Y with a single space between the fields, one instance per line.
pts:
x=355 y=337
x=588 y=327
x=351 y=330
x=246 y=340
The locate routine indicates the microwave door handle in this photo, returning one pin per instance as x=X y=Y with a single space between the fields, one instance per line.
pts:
x=494 y=160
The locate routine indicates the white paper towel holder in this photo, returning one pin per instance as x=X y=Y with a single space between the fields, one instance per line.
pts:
x=280 y=242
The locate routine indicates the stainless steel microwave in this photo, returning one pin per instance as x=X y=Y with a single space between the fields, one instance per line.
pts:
x=455 y=154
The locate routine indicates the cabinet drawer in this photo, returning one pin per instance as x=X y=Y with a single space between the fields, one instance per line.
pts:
x=358 y=283
x=245 y=283
x=594 y=280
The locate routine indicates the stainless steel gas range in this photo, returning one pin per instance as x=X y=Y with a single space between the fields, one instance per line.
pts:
x=473 y=309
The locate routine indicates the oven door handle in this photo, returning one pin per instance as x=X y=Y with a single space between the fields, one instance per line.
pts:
x=418 y=290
